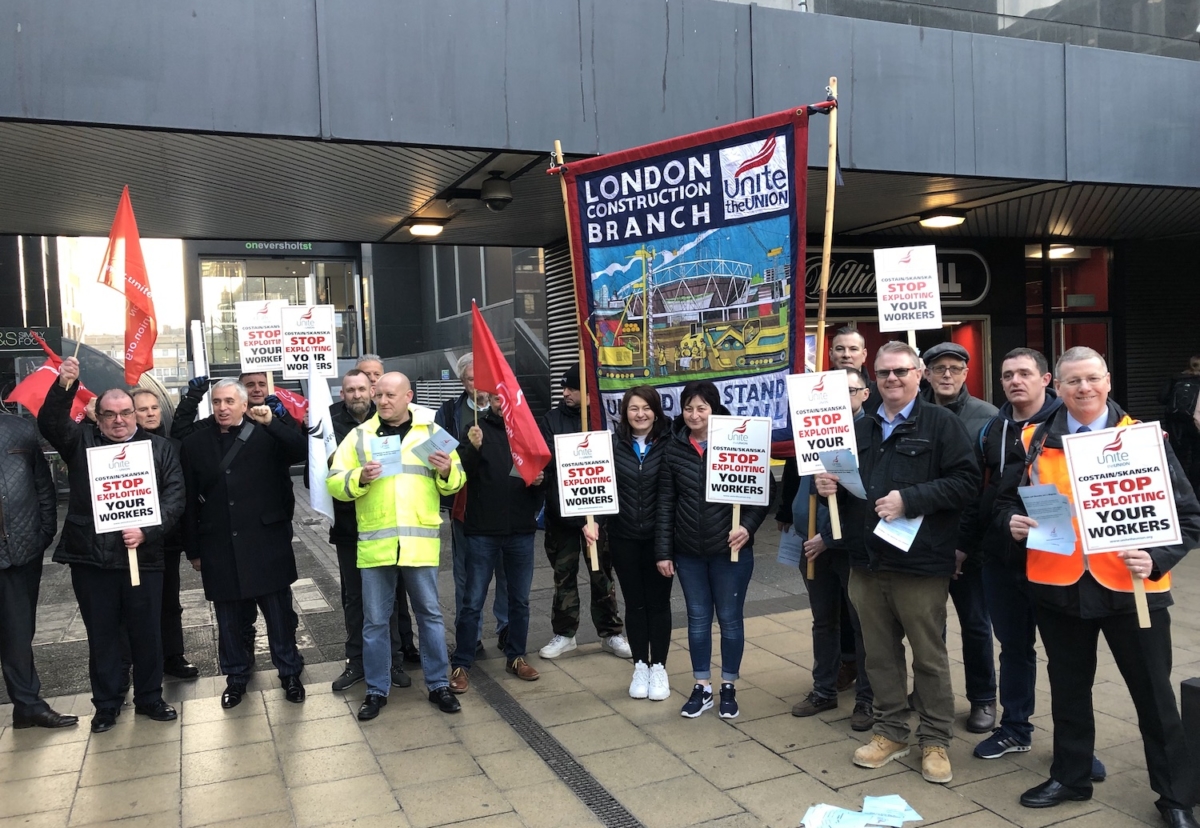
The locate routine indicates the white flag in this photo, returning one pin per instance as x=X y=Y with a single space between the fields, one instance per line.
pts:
x=322 y=442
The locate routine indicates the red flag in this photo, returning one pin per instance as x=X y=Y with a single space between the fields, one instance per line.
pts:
x=125 y=271
x=31 y=391
x=295 y=404
x=493 y=375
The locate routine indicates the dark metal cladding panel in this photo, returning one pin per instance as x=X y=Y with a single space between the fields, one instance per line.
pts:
x=1132 y=118
x=220 y=65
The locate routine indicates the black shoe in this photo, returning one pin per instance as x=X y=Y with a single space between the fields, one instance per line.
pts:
x=180 y=667
x=105 y=719
x=399 y=677
x=982 y=718
x=445 y=700
x=812 y=704
x=412 y=655
x=293 y=690
x=371 y=706
x=1050 y=793
x=160 y=711
x=1179 y=817
x=44 y=718
x=232 y=696
x=1099 y=772
x=126 y=680
x=349 y=677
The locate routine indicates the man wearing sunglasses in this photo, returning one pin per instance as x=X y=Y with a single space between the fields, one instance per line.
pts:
x=99 y=563
x=916 y=462
x=946 y=371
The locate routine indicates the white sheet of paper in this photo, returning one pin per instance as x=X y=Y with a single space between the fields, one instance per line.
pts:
x=889 y=810
x=791 y=548
x=829 y=816
x=439 y=440
x=900 y=532
x=387 y=452
x=844 y=464
x=1055 y=532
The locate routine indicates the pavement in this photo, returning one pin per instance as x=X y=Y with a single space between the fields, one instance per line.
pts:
x=571 y=749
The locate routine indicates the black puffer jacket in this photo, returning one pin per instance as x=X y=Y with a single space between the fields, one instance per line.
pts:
x=498 y=502
x=558 y=420
x=79 y=543
x=28 y=509
x=687 y=523
x=637 y=489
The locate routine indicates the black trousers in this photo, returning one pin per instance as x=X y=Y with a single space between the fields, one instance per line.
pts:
x=19 y=587
x=237 y=662
x=1144 y=659
x=106 y=600
x=352 y=609
x=647 y=598
x=172 y=610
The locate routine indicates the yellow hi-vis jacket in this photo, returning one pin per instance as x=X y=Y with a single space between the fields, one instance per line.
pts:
x=398 y=518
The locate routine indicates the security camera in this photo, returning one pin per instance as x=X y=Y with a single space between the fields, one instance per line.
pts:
x=495 y=192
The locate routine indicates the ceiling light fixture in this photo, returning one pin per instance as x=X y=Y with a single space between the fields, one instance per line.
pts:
x=942 y=218
x=426 y=227
x=1061 y=251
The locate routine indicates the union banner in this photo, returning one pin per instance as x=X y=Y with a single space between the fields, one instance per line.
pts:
x=688 y=259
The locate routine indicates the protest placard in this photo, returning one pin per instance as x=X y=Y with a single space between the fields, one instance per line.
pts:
x=819 y=403
x=907 y=289
x=260 y=340
x=739 y=463
x=124 y=491
x=587 y=482
x=308 y=335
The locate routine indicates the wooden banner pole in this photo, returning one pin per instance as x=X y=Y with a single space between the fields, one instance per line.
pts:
x=737 y=521
x=135 y=577
x=826 y=250
x=1139 y=601
x=78 y=342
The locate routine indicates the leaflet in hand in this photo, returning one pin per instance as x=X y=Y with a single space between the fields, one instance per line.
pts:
x=1055 y=532
x=387 y=451
x=439 y=440
x=844 y=465
x=791 y=548
x=899 y=532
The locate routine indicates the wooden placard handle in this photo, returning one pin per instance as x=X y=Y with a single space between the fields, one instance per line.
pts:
x=135 y=577
x=593 y=554
x=1139 y=601
x=737 y=521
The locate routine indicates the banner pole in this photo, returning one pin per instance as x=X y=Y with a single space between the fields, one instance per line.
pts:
x=78 y=342
x=593 y=553
x=135 y=577
x=826 y=251
x=1139 y=601
x=737 y=521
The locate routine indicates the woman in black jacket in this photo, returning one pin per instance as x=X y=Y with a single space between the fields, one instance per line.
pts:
x=693 y=539
x=638 y=449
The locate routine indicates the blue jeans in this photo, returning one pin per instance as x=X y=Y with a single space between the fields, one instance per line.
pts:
x=513 y=553
x=459 y=548
x=979 y=663
x=719 y=583
x=379 y=595
x=1011 y=606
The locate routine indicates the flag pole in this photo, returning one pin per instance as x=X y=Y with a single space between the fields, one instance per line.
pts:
x=819 y=357
x=593 y=554
x=78 y=342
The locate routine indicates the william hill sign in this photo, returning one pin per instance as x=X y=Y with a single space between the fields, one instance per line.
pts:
x=963 y=275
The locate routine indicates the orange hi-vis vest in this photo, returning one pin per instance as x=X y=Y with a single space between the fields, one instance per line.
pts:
x=1050 y=466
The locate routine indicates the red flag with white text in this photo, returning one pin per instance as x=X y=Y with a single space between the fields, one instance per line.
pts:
x=492 y=374
x=31 y=391
x=124 y=270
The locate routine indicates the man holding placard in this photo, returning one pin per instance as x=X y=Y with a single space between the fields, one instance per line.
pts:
x=1137 y=491
x=117 y=575
x=918 y=469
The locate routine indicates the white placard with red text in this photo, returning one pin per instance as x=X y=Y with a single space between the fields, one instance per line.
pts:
x=739 y=460
x=907 y=288
x=260 y=341
x=1122 y=489
x=124 y=488
x=587 y=482
x=819 y=402
x=308 y=335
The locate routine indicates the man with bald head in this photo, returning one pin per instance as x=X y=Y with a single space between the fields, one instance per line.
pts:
x=396 y=496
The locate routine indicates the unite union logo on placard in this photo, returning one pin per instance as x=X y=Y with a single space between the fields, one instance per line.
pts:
x=740 y=435
x=1114 y=453
x=584 y=450
x=818 y=394
x=118 y=462
x=754 y=177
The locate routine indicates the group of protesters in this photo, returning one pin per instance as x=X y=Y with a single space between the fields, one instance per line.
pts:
x=929 y=453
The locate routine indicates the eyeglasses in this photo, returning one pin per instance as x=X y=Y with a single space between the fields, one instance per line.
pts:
x=948 y=369
x=856 y=390
x=898 y=373
x=109 y=416
x=1075 y=382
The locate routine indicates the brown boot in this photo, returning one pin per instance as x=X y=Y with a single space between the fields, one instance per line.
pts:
x=459 y=683
x=520 y=668
x=935 y=764
x=879 y=751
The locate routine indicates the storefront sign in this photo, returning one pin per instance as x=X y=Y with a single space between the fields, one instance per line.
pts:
x=587 y=483
x=739 y=460
x=308 y=335
x=1122 y=488
x=822 y=421
x=124 y=487
x=906 y=289
x=260 y=341
x=18 y=341
x=963 y=278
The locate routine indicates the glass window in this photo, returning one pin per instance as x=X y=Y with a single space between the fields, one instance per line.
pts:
x=470 y=278
x=1079 y=279
x=498 y=266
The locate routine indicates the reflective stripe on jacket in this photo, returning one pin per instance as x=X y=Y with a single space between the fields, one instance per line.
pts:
x=398 y=519
x=1050 y=466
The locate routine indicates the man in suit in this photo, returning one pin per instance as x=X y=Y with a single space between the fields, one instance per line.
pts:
x=238 y=531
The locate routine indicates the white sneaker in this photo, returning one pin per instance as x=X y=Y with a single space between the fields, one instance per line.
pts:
x=558 y=645
x=660 y=687
x=639 y=688
x=617 y=645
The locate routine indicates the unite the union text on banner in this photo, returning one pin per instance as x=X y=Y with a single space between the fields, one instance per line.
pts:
x=688 y=261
